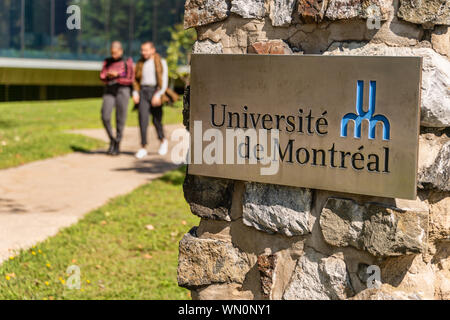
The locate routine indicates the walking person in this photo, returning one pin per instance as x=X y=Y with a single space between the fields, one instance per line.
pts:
x=150 y=86
x=118 y=76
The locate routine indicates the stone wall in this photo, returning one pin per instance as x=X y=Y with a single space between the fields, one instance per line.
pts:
x=258 y=241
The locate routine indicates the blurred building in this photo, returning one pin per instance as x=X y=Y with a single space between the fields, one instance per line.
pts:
x=45 y=79
x=40 y=58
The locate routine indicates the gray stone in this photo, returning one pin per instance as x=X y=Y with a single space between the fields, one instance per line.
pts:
x=437 y=175
x=319 y=277
x=249 y=9
x=379 y=229
x=426 y=12
x=281 y=12
x=435 y=110
x=209 y=198
x=202 y=12
x=435 y=89
x=378 y=9
x=343 y=9
x=204 y=261
x=350 y=9
x=207 y=46
x=277 y=209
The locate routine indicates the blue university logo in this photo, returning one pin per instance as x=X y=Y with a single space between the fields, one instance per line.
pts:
x=369 y=115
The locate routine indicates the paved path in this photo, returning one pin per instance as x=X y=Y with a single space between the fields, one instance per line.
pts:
x=40 y=198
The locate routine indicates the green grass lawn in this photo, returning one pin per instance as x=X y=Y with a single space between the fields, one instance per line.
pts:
x=125 y=250
x=31 y=131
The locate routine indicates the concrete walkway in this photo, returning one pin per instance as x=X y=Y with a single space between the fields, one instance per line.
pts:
x=40 y=198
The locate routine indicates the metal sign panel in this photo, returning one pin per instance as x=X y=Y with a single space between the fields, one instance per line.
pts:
x=339 y=123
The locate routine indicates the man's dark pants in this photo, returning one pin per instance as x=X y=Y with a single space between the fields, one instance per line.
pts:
x=118 y=97
x=145 y=109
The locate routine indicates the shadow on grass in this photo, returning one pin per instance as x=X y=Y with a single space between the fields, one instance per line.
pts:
x=175 y=177
x=9 y=124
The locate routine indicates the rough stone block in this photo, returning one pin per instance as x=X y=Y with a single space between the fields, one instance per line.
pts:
x=250 y=239
x=277 y=209
x=214 y=229
x=435 y=110
x=266 y=268
x=442 y=286
x=376 y=228
x=203 y=12
x=281 y=12
x=397 y=33
x=350 y=9
x=236 y=34
x=207 y=46
x=343 y=9
x=441 y=262
x=434 y=160
x=249 y=9
x=439 y=229
x=311 y=11
x=209 y=198
x=270 y=47
x=319 y=277
x=425 y=12
x=205 y=261
x=409 y=274
x=440 y=40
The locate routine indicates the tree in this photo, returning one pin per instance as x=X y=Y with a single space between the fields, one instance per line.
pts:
x=178 y=51
x=5 y=10
x=102 y=21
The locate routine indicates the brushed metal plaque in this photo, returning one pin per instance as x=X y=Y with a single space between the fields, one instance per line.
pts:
x=342 y=123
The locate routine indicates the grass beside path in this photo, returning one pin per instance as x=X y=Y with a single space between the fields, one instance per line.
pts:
x=31 y=131
x=125 y=250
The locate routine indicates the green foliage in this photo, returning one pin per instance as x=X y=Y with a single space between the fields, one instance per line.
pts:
x=119 y=255
x=129 y=21
x=178 y=50
x=102 y=21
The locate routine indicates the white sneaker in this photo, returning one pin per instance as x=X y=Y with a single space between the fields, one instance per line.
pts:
x=141 y=154
x=164 y=148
